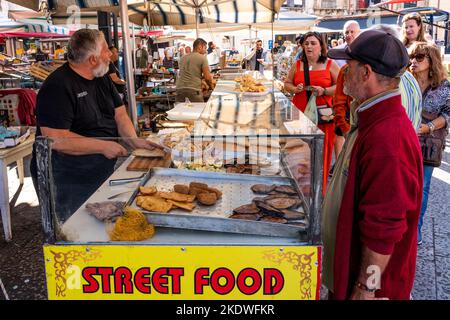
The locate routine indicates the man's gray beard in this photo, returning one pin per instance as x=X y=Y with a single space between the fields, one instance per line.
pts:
x=101 y=70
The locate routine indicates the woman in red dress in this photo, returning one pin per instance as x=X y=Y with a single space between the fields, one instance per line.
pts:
x=323 y=74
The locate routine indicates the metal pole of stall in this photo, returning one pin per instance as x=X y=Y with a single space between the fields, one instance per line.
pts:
x=196 y=21
x=133 y=43
x=127 y=54
x=116 y=31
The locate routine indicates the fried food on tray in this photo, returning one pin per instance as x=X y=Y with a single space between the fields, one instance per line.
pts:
x=216 y=191
x=207 y=198
x=181 y=188
x=189 y=206
x=148 y=191
x=156 y=204
x=177 y=196
x=198 y=185
x=249 y=84
x=286 y=189
x=262 y=188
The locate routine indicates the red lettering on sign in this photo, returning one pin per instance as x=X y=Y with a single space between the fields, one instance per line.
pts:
x=160 y=280
x=92 y=285
x=142 y=280
x=273 y=281
x=122 y=279
x=105 y=273
x=176 y=274
x=256 y=281
x=222 y=273
x=200 y=280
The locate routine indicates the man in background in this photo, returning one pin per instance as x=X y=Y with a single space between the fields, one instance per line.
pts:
x=194 y=68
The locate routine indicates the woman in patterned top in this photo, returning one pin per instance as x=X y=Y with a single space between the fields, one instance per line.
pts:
x=427 y=68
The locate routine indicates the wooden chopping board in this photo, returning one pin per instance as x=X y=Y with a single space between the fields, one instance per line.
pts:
x=144 y=163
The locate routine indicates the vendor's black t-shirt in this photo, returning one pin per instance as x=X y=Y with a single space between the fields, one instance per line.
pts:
x=86 y=107
x=112 y=69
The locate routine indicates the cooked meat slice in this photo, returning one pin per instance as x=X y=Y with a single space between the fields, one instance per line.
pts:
x=262 y=188
x=207 y=198
x=281 y=203
x=269 y=210
x=247 y=209
x=105 y=210
x=181 y=188
x=293 y=215
x=286 y=189
x=273 y=219
x=253 y=217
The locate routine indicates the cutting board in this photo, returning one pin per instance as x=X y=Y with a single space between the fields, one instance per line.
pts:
x=144 y=164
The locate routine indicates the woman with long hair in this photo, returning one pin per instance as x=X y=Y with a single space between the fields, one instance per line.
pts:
x=431 y=74
x=323 y=73
x=413 y=29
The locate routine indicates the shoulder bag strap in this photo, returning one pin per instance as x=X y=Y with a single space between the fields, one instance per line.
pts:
x=307 y=82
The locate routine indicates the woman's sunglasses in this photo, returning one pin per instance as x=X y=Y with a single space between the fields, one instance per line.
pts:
x=419 y=57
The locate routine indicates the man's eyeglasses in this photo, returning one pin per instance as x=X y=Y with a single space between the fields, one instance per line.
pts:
x=419 y=57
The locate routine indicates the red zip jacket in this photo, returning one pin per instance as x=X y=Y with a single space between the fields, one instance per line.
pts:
x=341 y=104
x=382 y=199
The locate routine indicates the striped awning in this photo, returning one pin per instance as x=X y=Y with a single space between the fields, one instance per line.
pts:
x=177 y=12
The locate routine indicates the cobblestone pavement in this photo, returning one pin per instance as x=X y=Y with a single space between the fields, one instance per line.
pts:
x=22 y=267
x=433 y=257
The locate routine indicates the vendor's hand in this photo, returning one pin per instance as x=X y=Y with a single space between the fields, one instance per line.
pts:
x=424 y=129
x=139 y=143
x=317 y=91
x=113 y=150
x=359 y=294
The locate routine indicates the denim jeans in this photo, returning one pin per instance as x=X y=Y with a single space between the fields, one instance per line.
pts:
x=427 y=173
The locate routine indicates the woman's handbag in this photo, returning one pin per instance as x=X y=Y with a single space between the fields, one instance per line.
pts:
x=325 y=114
x=311 y=110
x=433 y=144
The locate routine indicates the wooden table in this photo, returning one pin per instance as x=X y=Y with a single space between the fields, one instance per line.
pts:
x=8 y=156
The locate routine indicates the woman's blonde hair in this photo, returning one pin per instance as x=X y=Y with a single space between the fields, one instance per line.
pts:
x=437 y=71
x=418 y=18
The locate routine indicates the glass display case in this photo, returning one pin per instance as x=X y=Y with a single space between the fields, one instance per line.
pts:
x=246 y=173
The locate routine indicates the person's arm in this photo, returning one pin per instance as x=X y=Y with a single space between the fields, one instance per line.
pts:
x=206 y=74
x=116 y=79
x=289 y=82
x=74 y=144
x=340 y=105
x=372 y=265
x=128 y=133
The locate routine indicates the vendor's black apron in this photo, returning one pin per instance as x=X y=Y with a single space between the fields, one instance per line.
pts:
x=77 y=178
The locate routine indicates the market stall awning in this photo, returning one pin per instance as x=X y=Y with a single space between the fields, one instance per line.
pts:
x=285 y=22
x=175 y=12
x=28 y=35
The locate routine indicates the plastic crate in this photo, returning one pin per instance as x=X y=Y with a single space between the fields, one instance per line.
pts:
x=10 y=103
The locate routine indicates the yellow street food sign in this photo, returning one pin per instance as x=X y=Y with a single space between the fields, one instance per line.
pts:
x=189 y=273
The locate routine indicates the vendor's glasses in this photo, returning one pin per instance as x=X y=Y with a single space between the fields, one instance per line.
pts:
x=419 y=57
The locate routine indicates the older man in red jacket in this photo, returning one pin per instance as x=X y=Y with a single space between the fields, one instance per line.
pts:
x=376 y=232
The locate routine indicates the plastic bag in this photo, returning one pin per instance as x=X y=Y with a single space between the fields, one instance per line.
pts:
x=311 y=110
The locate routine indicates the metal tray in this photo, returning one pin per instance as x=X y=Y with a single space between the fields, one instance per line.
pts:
x=236 y=192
